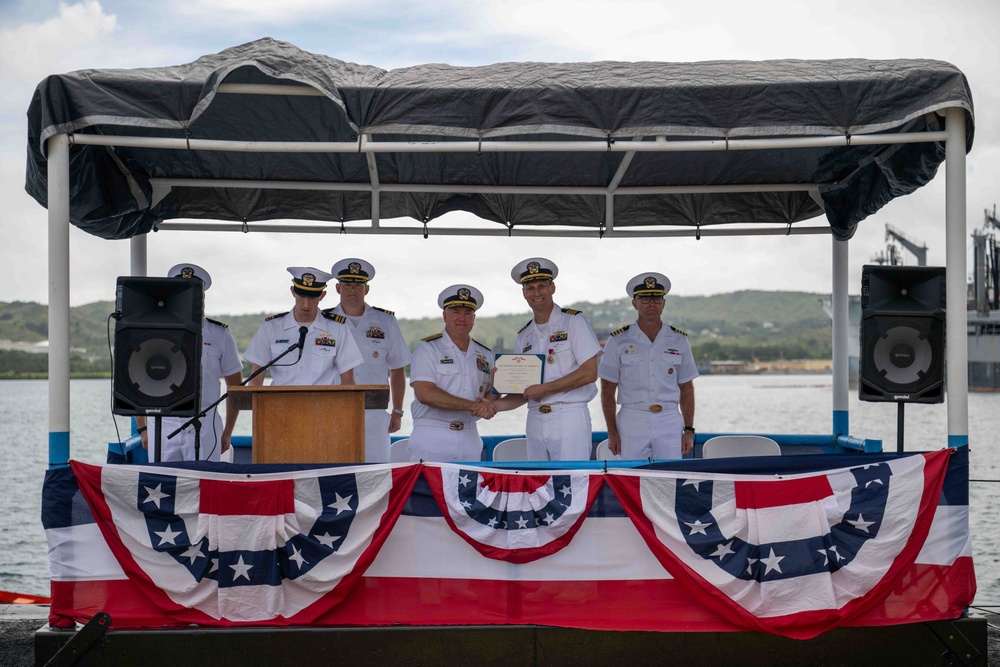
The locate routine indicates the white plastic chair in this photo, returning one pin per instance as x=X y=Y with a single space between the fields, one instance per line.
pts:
x=603 y=452
x=729 y=446
x=513 y=449
x=399 y=451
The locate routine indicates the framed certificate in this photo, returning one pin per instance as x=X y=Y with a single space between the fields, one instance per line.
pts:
x=517 y=371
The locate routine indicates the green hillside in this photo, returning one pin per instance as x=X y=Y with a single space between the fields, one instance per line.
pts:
x=738 y=326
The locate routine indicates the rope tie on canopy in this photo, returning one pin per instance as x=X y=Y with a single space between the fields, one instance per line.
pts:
x=697 y=231
x=425 y=226
x=246 y=227
x=788 y=231
x=343 y=230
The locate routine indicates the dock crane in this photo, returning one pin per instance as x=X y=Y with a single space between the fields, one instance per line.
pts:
x=986 y=262
x=892 y=256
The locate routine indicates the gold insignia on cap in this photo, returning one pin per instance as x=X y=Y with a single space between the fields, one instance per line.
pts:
x=464 y=294
x=650 y=282
x=187 y=272
x=534 y=267
x=308 y=279
x=354 y=268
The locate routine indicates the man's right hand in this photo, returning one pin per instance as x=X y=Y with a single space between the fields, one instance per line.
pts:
x=615 y=444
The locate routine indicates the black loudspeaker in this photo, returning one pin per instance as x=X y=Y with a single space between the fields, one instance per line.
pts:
x=902 y=334
x=157 y=369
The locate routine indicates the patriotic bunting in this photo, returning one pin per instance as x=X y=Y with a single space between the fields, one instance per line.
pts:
x=797 y=547
x=245 y=548
x=512 y=516
x=794 y=556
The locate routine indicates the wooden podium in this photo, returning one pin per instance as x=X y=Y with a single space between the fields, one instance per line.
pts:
x=310 y=423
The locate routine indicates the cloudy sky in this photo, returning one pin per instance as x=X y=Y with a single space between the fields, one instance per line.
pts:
x=39 y=37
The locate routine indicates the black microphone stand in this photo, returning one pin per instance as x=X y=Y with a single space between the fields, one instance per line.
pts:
x=194 y=420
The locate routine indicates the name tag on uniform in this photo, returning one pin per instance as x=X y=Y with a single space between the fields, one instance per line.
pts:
x=281 y=340
x=558 y=337
x=375 y=332
x=326 y=341
x=526 y=348
x=446 y=360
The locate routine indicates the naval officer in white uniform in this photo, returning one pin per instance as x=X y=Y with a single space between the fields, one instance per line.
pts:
x=558 y=426
x=329 y=354
x=383 y=349
x=219 y=359
x=650 y=367
x=451 y=375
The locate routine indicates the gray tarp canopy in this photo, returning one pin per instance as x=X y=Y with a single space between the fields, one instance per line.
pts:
x=112 y=188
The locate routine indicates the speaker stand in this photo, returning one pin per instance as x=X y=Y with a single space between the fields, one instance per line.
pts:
x=899 y=426
x=157 y=440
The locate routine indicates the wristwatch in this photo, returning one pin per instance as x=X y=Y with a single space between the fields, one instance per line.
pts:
x=689 y=428
x=397 y=412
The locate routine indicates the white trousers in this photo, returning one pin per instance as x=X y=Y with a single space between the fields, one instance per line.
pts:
x=565 y=434
x=432 y=443
x=376 y=436
x=650 y=435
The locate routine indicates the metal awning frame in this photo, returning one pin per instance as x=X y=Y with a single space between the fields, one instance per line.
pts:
x=954 y=138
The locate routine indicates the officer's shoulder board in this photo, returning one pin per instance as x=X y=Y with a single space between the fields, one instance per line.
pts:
x=383 y=310
x=217 y=323
x=335 y=317
x=481 y=345
x=683 y=333
x=570 y=311
x=525 y=326
x=430 y=338
x=274 y=317
x=622 y=330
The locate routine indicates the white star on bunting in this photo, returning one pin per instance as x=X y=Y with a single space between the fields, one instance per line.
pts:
x=155 y=495
x=167 y=536
x=241 y=569
x=342 y=504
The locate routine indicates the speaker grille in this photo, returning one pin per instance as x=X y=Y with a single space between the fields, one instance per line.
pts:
x=158 y=365
x=901 y=353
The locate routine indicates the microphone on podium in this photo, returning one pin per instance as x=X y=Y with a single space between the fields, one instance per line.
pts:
x=302 y=339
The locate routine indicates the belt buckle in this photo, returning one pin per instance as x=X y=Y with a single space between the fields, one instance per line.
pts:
x=656 y=408
x=456 y=426
x=545 y=409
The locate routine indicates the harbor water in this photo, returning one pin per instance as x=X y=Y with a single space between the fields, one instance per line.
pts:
x=744 y=403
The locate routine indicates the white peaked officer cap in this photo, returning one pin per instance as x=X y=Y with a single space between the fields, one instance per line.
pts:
x=308 y=281
x=648 y=284
x=190 y=271
x=460 y=296
x=353 y=270
x=534 y=268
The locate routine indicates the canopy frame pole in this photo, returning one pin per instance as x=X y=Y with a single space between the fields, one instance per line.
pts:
x=163 y=185
x=138 y=255
x=576 y=146
x=609 y=202
x=841 y=353
x=376 y=187
x=57 y=167
x=644 y=232
x=956 y=319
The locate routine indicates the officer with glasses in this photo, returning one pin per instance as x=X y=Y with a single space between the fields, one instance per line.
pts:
x=648 y=370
